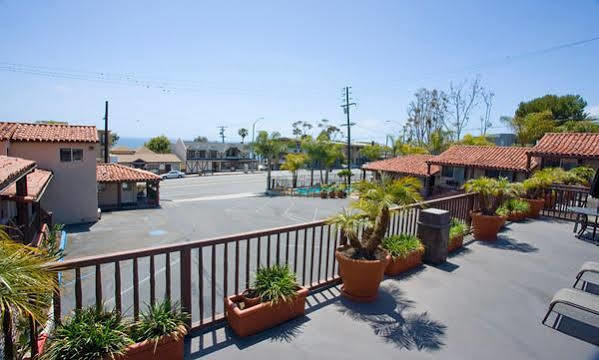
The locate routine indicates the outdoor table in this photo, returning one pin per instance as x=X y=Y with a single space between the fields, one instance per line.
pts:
x=582 y=218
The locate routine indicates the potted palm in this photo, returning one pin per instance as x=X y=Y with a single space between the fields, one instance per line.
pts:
x=281 y=299
x=534 y=192
x=406 y=253
x=514 y=209
x=457 y=230
x=341 y=194
x=362 y=261
x=324 y=191
x=491 y=193
x=332 y=191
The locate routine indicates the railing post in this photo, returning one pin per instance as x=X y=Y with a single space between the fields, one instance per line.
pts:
x=185 y=272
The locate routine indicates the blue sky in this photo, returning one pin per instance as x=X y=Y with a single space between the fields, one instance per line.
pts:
x=183 y=68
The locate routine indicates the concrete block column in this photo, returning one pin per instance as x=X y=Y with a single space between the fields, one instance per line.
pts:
x=433 y=231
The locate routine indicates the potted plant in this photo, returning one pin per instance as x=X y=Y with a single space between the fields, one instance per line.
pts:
x=324 y=191
x=406 y=253
x=514 y=209
x=281 y=299
x=341 y=194
x=250 y=298
x=89 y=335
x=362 y=261
x=457 y=230
x=332 y=191
x=158 y=334
x=491 y=193
x=534 y=192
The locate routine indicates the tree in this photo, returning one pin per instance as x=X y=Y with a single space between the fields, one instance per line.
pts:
x=269 y=147
x=475 y=140
x=301 y=129
x=159 y=144
x=426 y=114
x=563 y=108
x=331 y=131
x=485 y=120
x=409 y=149
x=462 y=99
x=294 y=162
x=586 y=126
x=114 y=138
x=201 y=139
x=531 y=127
x=316 y=149
x=439 y=141
x=372 y=152
x=26 y=289
x=243 y=133
x=334 y=153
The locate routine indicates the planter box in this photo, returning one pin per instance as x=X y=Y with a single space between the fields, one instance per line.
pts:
x=517 y=216
x=455 y=243
x=535 y=207
x=399 y=265
x=486 y=227
x=264 y=315
x=168 y=348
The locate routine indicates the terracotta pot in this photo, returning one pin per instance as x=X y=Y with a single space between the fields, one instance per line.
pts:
x=399 y=265
x=536 y=205
x=332 y=194
x=323 y=194
x=264 y=315
x=341 y=194
x=361 y=278
x=486 y=227
x=517 y=216
x=249 y=301
x=455 y=243
x=168 y=348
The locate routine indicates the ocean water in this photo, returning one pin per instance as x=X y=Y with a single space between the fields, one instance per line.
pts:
x=135 y=142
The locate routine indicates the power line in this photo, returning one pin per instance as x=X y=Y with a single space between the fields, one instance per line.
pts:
x=346 y=109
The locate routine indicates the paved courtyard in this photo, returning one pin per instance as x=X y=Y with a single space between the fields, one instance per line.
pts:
x=194 y=208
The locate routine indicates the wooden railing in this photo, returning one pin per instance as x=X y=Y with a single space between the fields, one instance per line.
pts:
x=561 y=197
x=200 y=273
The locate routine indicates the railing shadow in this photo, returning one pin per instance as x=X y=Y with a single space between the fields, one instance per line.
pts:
x=505 y=242
x=390 y=318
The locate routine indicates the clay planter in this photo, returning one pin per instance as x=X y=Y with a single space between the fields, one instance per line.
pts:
x=536 y=205
x=323 y=194
x=250 y=301
x=341 y=194
x=361 y=278
x=455 y=243
x=517 y=216
x=332 y=194
x=168 y=349
x=399 y=265
x=486 y=227
x=264 y=315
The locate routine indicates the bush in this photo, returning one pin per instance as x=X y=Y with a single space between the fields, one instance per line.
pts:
x=401 y=246
x=162 y=319
x=457 y=228
x=90 y=334
x=275 y=283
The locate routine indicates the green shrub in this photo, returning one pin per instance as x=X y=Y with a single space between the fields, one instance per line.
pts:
x=275 y=283
x=513 y=206
x=401 y=246
x=90 y=334
x=163 y=318
x=457 y=228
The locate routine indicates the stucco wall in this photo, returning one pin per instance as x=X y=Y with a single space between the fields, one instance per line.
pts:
x=4 y=147
x=72 y=194
x=109 y=196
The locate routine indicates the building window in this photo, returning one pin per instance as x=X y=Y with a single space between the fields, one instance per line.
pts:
x=447 y=171
x=568 y=164
x=551 y=162
x=70 y=154
x=77 y=154
x=492 y=173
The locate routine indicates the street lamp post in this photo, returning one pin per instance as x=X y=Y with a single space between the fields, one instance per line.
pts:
x=253 y=133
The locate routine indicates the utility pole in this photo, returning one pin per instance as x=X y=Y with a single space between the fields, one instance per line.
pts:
x=106 y=137
x=221 y=133
x=346 y=108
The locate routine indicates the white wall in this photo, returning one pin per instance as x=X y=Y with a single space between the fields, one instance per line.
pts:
x=72 y=194
x=109 y=197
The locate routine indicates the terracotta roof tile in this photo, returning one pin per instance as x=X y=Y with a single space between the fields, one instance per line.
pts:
x=52 y=133
x=36 y=184
x=578 y=145
x=414 y=165
x=508 y=158
x=7 y=129
x=108 y=173
x=12 y=168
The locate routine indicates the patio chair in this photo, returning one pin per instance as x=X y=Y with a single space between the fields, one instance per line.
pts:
x=589 y=266
x=575 y=298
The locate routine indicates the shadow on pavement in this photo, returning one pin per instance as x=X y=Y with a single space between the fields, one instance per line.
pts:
x=507 y=243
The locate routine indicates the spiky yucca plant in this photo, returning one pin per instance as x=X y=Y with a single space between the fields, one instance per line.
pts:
x=372 y=212
x=164 y=318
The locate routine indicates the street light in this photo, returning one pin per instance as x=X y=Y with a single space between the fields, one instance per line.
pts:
x=253 y=131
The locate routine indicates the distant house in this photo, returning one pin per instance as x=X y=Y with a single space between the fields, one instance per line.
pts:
x=460 y=163
x=567 y=150
x=121 y=187
x=69 y=152
x=201 y=157
x=407 y=165
x=145 y=159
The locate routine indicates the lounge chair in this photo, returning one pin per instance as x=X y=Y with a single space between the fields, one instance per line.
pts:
x=589 y=266
x=576 y=298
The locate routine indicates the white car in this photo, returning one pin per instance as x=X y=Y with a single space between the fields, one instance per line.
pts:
x=173 y=174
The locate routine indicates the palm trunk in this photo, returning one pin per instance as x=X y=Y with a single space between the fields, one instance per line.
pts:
x=268 y=175
x=326 y=176
x=380 y=228
x=312 y=175
x=294 y=179
x=8 y=341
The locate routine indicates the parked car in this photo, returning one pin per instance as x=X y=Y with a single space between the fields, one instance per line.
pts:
x=173 y=174
x=261 y=167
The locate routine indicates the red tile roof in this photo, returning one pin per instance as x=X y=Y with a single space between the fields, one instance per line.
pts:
x=110 y=173
x=508 y=158
x=12 y=168
x=414 y=165
x=576 y=145
x=55 y=133
x=6 y=130
x=36 y=185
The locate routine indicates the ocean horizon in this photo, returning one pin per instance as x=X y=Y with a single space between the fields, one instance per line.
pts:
x=134 y=142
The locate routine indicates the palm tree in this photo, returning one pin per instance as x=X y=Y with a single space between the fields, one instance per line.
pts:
x=243 y=133
x=269 y=147
x=293 y=162
x=334 y=153
x=375 y=199
x=492 y=192
x=25 y=286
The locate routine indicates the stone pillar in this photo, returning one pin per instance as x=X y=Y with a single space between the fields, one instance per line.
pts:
x=433 y=231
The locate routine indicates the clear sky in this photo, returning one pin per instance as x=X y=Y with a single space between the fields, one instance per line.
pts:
x=183 y=68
